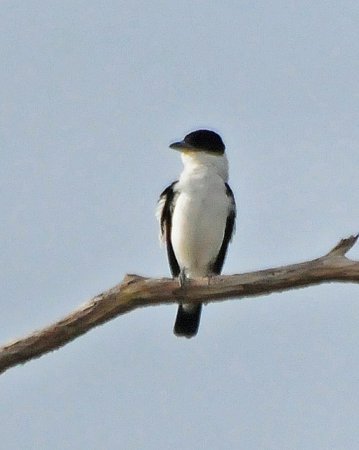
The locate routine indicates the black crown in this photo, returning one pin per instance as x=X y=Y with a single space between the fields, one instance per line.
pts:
x=205 y=140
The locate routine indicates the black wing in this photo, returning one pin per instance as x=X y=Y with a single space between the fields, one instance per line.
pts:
x=165 y=211
x=228 y=233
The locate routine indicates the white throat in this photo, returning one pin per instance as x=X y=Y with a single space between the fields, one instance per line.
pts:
x=200 y=163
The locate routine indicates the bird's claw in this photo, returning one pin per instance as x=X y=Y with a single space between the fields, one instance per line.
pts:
x=182 y=279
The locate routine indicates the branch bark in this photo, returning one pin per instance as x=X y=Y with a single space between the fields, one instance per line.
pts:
x=136 y=291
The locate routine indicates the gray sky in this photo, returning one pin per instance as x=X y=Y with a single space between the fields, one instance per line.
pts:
x=91 y=95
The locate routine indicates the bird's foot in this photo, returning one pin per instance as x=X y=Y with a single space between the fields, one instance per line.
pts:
x=182 y=279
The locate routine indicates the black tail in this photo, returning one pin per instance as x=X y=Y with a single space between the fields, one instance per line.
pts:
x=187 y=320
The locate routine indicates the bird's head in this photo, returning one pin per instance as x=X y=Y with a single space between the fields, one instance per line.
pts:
x=201 y=141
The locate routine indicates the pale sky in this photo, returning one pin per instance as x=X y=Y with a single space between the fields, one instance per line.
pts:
x=91 y=95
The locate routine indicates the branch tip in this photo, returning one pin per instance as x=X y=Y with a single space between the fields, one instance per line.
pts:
x=132 y=278
x=343 y=246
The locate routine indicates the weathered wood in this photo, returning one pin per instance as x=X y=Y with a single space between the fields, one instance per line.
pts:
x=136 y=291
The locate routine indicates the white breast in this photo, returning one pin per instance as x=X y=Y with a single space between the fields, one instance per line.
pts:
x=200 y=214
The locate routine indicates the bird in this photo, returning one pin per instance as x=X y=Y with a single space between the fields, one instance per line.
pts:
x=197 y=215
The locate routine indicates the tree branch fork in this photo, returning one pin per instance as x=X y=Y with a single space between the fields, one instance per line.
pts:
x=136 y=291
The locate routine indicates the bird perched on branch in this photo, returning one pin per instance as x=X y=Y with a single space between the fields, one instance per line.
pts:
x=197 y=218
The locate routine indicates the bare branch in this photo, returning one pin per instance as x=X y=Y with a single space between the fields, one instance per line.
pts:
x=136 y=291
x=344 y=246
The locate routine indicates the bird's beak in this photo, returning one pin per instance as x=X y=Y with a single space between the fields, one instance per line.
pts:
x=181 y=146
